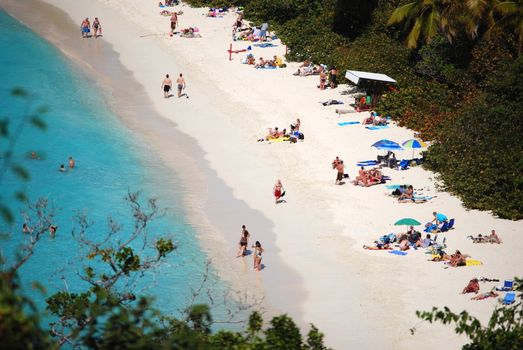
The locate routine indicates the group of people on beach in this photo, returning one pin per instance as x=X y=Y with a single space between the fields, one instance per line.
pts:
x=168 y=83
x=369 y=177
x=257 y=249
x=277 y=134
x=85 y=28
x=328 y=75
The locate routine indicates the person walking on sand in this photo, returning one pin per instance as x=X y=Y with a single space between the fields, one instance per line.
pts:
x=257 y=256
x=244 y=241
x=71 y=162
x=97 y=28
x=339 y=176
x=174 y=21
x=85 y=27
x=166 y=86
x=181 y=85
x=278 y=191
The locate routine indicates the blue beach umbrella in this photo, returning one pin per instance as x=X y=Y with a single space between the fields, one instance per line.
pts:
x=387 y=145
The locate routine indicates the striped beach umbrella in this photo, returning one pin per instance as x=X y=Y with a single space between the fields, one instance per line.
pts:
x=414 y=144
x=387 y=145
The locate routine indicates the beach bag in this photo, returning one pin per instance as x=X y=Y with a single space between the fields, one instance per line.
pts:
x=301 y=136
x=396 y=192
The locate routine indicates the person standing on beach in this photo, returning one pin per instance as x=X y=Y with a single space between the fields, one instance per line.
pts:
x=244 y=241
x=97 y=28
x=278 y=191
x=166 y=86
x=181 y=85
x=257 y=256
x=85 y=27
x=339 y=176
x=174 y=21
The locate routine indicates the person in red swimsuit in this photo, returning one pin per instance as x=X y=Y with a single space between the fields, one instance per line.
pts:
x=278 y=191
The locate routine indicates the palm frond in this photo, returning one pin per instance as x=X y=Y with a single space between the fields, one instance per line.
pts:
x=413 y=37
x=401 y=13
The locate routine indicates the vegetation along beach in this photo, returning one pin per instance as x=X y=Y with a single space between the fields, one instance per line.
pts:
x=261 y=174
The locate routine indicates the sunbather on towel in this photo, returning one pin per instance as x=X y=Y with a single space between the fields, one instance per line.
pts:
x=492 y=238
x=458 y=259
x=407 y=195
x=378 y=246
x=486 y=295
x=261 y=63
x=472 y=287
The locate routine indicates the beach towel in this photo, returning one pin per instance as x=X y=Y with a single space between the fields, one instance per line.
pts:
x=378 y=127
x=347 y=123
x=472 y=262
x=269 y=67
x=421 y=198
x=367 y=163
x=265 y=45
x=279 y=139
x=370 y=161
x=393 y=187
x=398 y=252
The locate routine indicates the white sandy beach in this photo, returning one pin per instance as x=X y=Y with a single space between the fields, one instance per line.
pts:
x=359 y=299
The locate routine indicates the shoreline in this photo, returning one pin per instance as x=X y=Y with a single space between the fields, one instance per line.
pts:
x=349 y=294
x=198 y=181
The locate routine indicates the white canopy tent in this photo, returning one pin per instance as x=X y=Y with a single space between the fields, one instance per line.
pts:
x=357 y=77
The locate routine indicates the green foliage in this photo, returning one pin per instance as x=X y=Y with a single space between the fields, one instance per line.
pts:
x=503 y=331
x=351 y=17
x=19 y=319
x=478 y=155
x=283 y=334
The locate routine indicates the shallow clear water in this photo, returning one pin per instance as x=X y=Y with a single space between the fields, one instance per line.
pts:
x=110 y=161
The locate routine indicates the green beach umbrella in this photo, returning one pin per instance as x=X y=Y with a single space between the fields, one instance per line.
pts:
x=408 y=222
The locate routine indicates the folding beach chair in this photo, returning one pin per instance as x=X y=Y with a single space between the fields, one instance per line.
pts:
x=403 y=165
x=510 y=298
x=444 y=227
x=508 y=286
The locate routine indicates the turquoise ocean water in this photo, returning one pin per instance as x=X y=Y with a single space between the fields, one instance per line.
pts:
x=110 y=162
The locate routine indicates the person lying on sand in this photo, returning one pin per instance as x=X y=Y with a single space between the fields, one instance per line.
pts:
x=368 y=178
x=407 y=195
x=378 y=246
x=261 y=63
x=472 y=287
x=273 y=134
x=458 y=259
x=486 y=295
x=492 y=238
